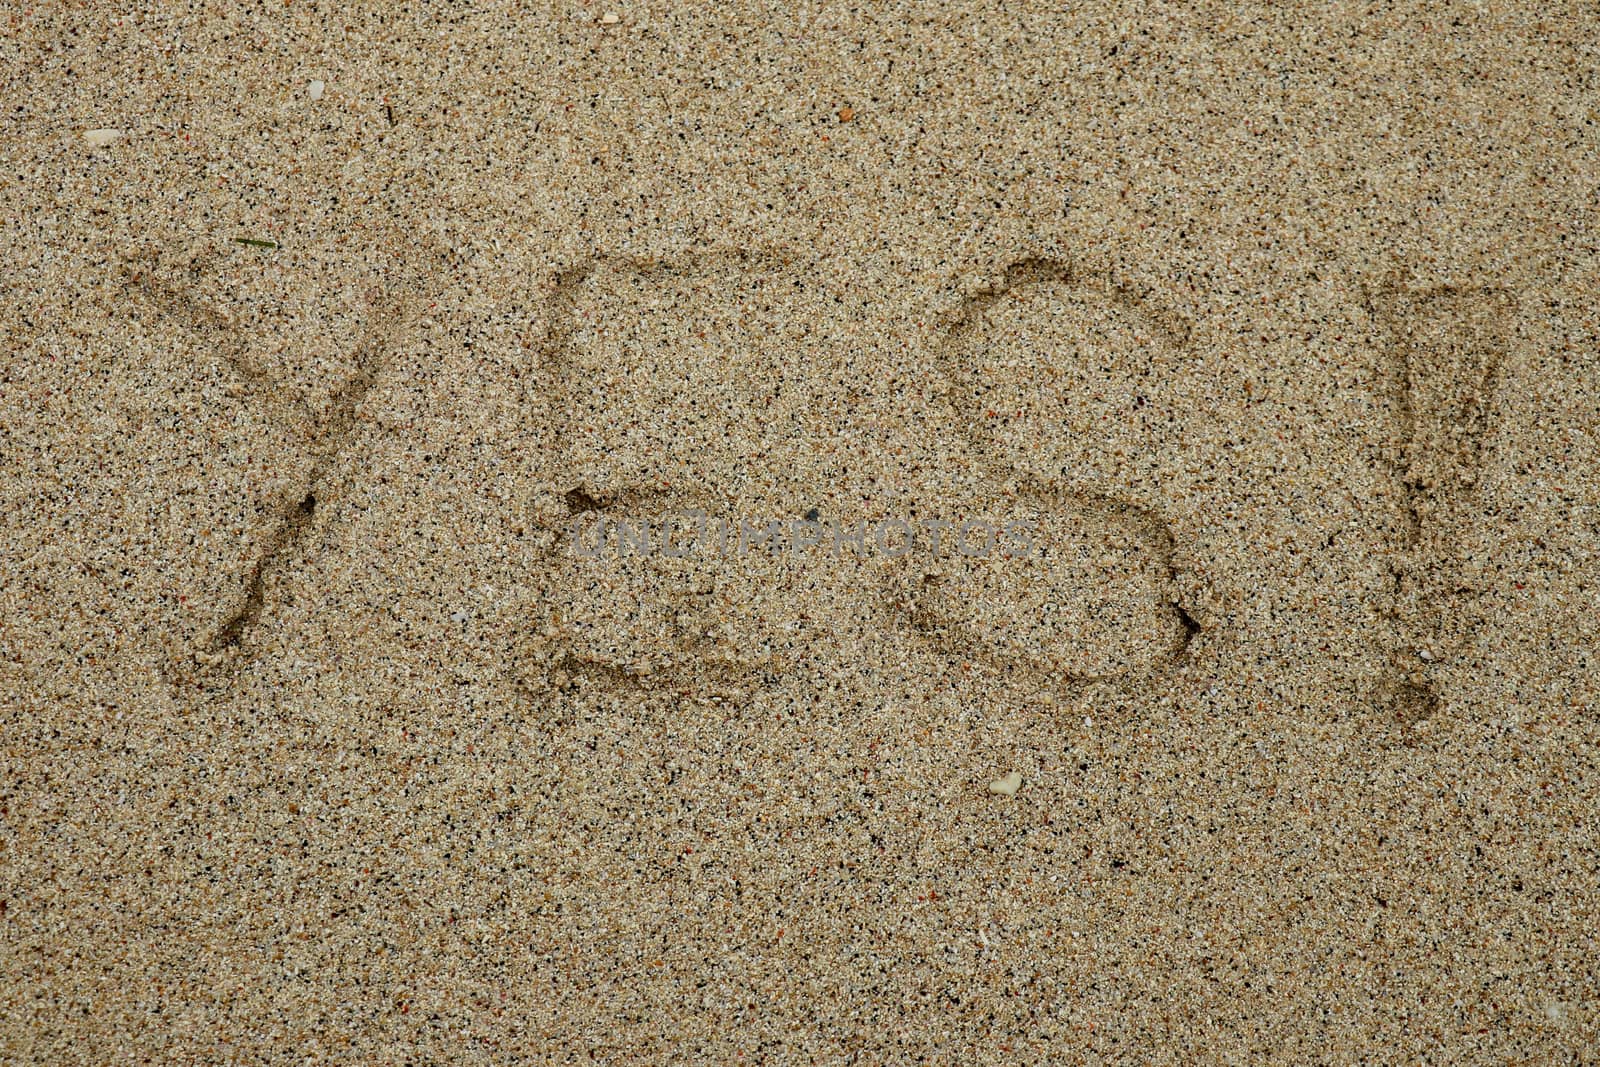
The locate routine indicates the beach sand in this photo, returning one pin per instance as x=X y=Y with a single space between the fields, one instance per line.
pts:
x=334 y=334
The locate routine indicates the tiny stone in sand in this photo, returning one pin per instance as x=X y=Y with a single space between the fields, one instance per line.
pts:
x=1008 y=785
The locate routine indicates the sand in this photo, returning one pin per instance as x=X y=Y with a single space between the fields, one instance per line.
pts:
x=332 y=331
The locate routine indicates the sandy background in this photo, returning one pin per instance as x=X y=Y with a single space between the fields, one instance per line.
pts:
x=319 y=744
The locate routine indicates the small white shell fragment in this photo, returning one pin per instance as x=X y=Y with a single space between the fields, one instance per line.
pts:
x=316 y=88
x=102 y=138
x=1007 y=786
x=610 y=18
